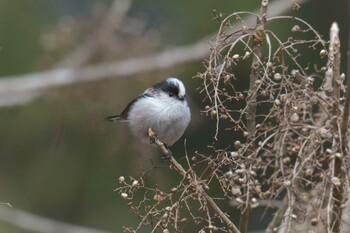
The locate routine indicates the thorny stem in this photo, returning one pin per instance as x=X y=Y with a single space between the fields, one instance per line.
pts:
x=191 y=180
x=337 y=190
x=258 y=38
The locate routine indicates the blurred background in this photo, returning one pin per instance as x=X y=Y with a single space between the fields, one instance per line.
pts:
x=59 y=158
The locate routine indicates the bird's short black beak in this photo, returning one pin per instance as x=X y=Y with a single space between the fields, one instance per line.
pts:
x=182 y=98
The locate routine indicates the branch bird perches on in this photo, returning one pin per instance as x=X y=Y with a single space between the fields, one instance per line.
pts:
x=192 y=182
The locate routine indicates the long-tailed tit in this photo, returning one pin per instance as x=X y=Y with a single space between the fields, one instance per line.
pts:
x=163 y=108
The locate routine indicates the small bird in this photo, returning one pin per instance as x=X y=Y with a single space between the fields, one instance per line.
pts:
x=162 y=107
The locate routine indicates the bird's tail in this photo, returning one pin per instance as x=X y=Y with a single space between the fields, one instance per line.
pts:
x=115 y=118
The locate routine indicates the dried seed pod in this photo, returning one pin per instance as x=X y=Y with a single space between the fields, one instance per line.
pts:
x=253 y=173
x=242 y=180
x=286 y=160
x=224 y=116
x=236 y=191
x=254 y=203
x=246 y=55
x=287 y=183
x=314 y=221
x=213 y=228
x=323 y=53
x=308 y=172
x=294 y=117
x=329 y=151
x=237 y=144
x=121 y=179
x=213 y=113
x=296 y=28
x=277 y=76
x=245 y=29
x=158 y=198
x=277 y=102
x=239 y=171
x=234 y=155
x=295 y=73
x=257 y=189
x=336 y=181
x=135 y=183
x=229 y=174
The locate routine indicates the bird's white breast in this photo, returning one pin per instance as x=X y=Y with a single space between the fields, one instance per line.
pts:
x=168 y=117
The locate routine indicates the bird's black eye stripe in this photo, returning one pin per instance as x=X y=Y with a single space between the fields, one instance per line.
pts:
x=170 y=88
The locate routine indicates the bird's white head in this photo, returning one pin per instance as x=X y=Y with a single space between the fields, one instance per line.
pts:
x=173 y=87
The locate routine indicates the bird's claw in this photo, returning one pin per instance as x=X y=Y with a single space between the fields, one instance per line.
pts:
x=152 y=136
x=167 y=155
x=152 y=140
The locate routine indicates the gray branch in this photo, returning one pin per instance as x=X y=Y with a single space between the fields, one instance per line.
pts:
x=20 y=89
x=32 y=222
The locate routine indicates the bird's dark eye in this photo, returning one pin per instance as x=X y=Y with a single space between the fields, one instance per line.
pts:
x=171 y=94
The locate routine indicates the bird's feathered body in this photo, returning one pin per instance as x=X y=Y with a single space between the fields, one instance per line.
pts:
x=163 y=108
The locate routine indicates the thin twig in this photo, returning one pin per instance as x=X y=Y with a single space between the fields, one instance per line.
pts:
x=191 y=180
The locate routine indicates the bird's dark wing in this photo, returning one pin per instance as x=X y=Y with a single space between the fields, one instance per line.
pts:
x=115 y=118
x=124 y=115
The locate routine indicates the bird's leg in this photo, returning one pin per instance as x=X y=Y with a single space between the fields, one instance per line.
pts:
x=167 y=155
x=152 y=140
x=164 y=147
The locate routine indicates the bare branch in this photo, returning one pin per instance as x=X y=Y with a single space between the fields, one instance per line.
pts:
x=90 y=47
x=192 y=181
x=24 y=88
x=37 y=82
x=258 y=38
x=333 y=76
x=32 y=222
